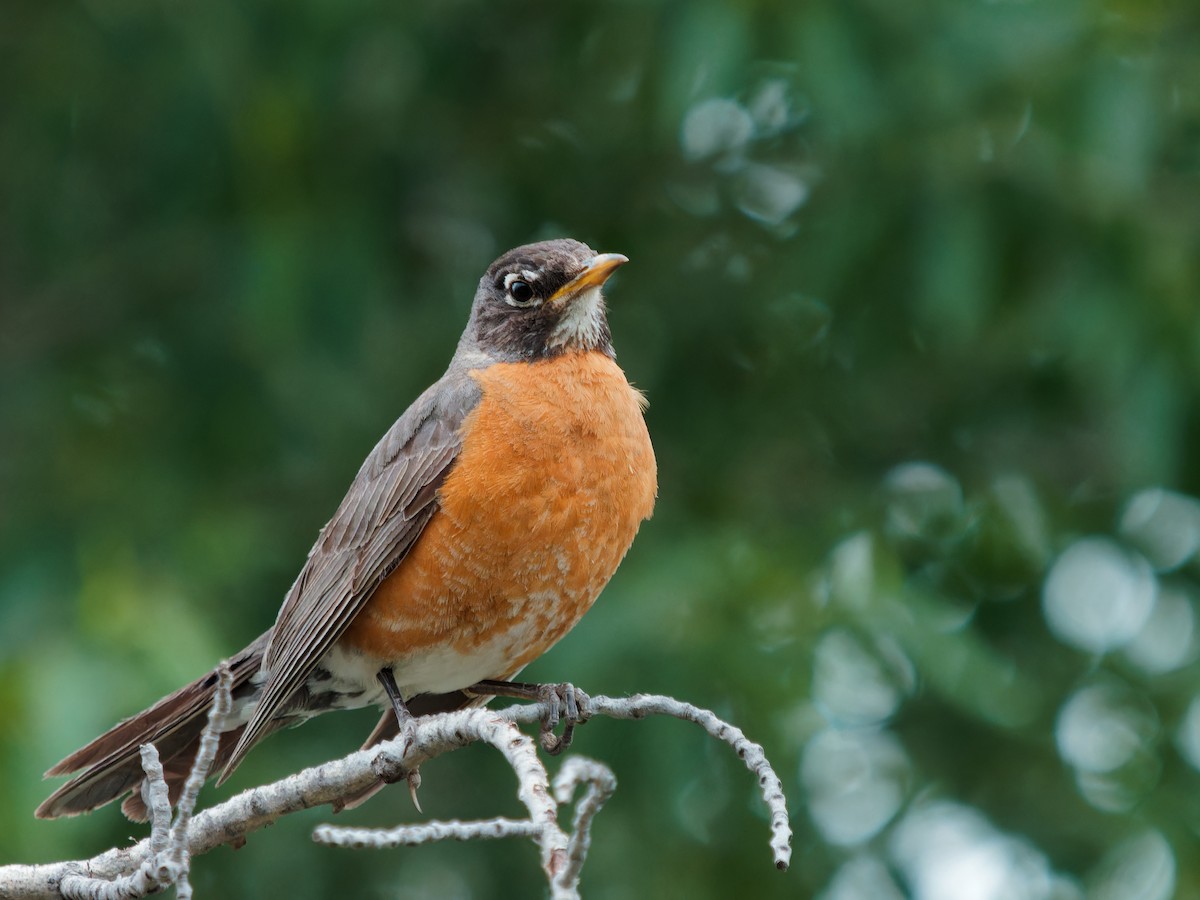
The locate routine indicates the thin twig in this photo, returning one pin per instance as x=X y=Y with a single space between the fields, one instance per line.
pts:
x=424 y=833
x=158 y=799
x=755 y=758
x=601 y=783
x=210 y=742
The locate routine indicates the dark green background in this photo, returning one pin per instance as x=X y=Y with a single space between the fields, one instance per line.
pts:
x=237 y=238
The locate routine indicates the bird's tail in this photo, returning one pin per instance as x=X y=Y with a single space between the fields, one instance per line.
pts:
x=111 y=765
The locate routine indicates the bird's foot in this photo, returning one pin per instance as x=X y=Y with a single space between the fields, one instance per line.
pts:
x=408 y=731
x=564 y=703
x=389 y=771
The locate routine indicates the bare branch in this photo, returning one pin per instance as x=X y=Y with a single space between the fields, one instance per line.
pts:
x=641 y=705
x=210 y=742
x=164 y=858
x=601 y=783
x=424 y=833
x=159 y=800
x=533 y=791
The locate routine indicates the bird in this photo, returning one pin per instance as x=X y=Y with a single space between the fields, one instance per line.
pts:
x=478 y=531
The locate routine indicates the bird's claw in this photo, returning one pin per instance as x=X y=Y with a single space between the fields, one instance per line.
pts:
x=564 y=703
x=414 y=783
x=389 y=770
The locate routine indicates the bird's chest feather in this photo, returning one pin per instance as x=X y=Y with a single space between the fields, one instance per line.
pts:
x=555 y=475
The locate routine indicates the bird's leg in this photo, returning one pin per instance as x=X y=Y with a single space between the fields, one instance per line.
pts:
x=563 y=702
x=408 y=727
x=403 y=717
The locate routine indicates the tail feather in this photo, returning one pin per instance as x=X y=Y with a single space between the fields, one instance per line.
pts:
x=176 y=771
x=111 y=764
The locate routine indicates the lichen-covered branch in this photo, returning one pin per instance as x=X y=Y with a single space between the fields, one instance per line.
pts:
x=164 y=858
x=600 y=782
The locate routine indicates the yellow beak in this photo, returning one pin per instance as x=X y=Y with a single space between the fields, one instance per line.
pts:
x=596 y=273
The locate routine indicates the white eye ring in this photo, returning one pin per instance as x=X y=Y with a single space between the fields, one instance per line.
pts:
x=520 y=292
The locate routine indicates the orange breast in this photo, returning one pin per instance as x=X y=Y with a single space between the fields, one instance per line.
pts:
x=555 y=475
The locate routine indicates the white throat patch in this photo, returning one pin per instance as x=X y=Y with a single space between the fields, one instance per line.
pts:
x=580 y=322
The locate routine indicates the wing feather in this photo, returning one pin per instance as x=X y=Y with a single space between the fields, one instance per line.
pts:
x=388 y=505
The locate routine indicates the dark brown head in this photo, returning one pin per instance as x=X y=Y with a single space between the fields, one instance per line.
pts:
x=542 y=300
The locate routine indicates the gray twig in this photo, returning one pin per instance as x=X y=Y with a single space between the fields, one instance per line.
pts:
x=601 y=783
x=159 y=800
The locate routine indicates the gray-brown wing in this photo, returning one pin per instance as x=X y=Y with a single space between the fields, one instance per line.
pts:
x=389 y=503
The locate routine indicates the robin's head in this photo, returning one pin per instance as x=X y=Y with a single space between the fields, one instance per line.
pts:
x=542 y=300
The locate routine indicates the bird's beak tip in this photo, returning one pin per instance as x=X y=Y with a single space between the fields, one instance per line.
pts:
x=597 y=271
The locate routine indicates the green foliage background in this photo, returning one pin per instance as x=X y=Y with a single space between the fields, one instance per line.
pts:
x=914 y=294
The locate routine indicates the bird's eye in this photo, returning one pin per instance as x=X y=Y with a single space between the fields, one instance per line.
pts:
x=521 y=292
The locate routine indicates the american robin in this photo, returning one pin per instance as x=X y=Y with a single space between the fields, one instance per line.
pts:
x=476 y=534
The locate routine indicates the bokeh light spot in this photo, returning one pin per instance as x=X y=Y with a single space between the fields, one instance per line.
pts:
x=862 y=878
x=1187 y=738
x=855 y=685
x=855 y=782
x=1168 y=639
x=924 y=501
x=1141 y=867
x=951 y=852
x=769 y=194
x=771 y=108
x=1164 y=525
x=713 y=127
x=1098 y=595
x=1103 y=725
x=851 y=578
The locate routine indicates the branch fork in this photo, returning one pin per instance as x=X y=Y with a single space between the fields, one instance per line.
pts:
x=164 y=858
